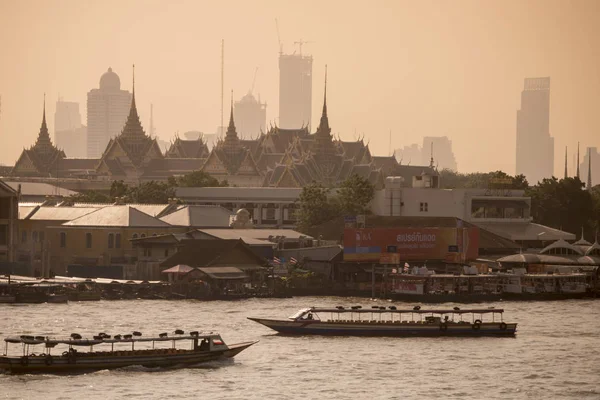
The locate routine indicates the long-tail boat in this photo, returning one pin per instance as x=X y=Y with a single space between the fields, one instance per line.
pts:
x=106 y=352
x=391 y=321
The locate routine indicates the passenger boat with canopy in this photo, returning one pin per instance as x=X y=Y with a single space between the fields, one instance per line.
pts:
x=391 y=321
x=121 y=351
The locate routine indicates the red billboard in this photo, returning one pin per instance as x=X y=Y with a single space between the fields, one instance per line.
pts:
x=412 y=244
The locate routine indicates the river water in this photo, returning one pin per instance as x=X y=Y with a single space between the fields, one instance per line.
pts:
x=555 y=355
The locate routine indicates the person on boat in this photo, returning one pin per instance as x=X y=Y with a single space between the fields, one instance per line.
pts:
x=310 y=316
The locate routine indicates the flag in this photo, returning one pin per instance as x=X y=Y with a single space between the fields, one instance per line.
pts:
x=276 y=260
x=293 y=261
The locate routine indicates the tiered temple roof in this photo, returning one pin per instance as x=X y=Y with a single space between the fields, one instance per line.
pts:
x=41 y=159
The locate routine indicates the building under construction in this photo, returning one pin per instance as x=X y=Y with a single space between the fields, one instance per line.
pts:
x=295 y=90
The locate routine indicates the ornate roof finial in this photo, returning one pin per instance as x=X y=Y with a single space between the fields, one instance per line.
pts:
x=325 y=94
x=589 y=177
x=566 y=172
x=577 y=159
x=44 y=117
x=231 y=123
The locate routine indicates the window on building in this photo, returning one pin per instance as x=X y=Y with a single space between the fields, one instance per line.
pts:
x=42 y=236
x=34 y=236
x=424 y=207
x=24 y=237
x=134 y=236
x=166 y=252
x=118 y=240
x=143 y=235
x=63 y=240
x=88 y=240
x=111 y=240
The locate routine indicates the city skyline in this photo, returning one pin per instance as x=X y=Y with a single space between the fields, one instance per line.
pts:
x=472 y=99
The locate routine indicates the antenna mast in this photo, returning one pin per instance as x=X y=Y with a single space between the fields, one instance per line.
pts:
x=222 y=81
x=278 y=37
x=253 y=81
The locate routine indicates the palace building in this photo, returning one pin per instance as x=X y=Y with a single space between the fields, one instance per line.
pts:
x=278 y=158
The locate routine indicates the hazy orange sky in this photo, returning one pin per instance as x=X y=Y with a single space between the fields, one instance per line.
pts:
x=419 y=68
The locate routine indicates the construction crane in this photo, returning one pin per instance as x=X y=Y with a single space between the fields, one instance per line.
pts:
x=300 y=43
x=278 y=37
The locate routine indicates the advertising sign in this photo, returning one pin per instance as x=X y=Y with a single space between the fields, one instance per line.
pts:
x=412 y=244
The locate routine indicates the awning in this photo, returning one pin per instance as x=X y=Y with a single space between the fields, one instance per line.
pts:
x=224 y=272
x=178 y=269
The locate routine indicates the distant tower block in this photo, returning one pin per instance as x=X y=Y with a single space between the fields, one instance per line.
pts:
x=107 y=111
x=295 y=90
x=535 y=146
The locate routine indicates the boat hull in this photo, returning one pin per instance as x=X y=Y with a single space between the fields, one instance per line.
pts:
x=118 y=359
x=386 y=328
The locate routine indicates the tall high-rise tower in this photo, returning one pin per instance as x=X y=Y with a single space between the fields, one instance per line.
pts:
x=295 y=90
x=107 y=111
x=69 y=133
x=535 y=146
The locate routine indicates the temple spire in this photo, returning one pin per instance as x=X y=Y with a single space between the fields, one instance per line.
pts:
x=566 y=172
x=231 y=126
x=43 y=138
x=133 y=126
x=231 y=136
x=324 y=114
x=578 y=160
x=589 y=177
x=324 y=128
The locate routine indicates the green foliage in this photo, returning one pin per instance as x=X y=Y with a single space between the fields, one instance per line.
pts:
x=119 y=189
x=563 y=204
x=314 y=206
x=90 y=197
x=317 y=204
x=354 y=195
x=197 y=179
x=151 y=192
x=481 y=180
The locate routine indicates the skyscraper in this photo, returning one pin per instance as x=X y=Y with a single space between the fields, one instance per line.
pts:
x=535 y=146
x=107 y=110
x=250 y=116
x=69 y=133
x=295 y=90
x=441 y=151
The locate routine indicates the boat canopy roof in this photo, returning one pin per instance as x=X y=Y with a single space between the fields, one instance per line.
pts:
x=383 y=309
x=92 y=342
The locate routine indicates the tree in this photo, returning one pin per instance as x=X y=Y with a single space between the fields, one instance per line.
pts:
x=119 y=189
x=563 y=204
x=314 y=207
x=151 y=192
x=197 y=179
x=90 y=197
x=354 y=195
x=481 y=180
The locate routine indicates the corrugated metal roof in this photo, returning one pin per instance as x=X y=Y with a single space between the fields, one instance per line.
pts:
x=40 y=189
x=122 y=216
x=199 y=216
x=61 y=213
x=246 y=194
x=258 y=234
